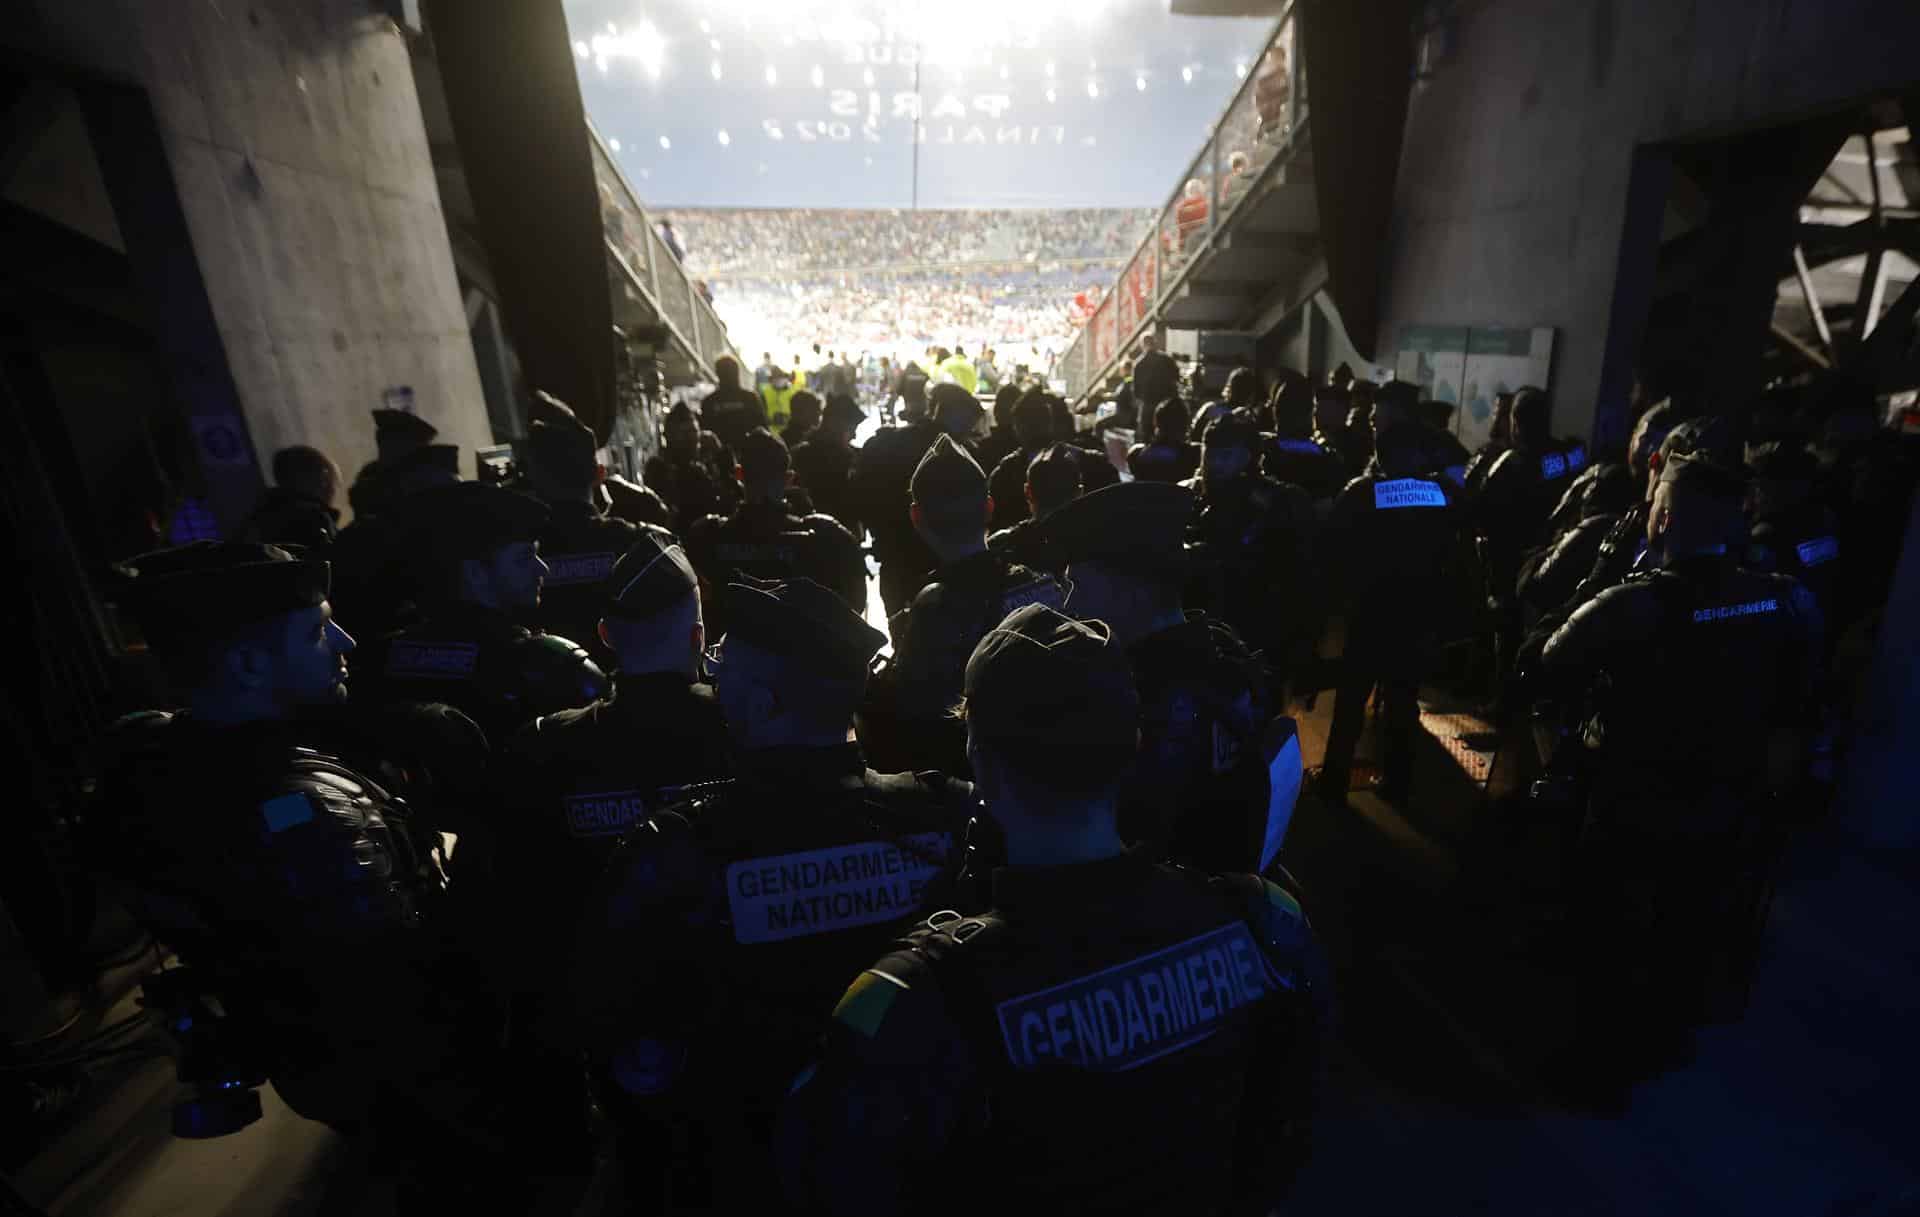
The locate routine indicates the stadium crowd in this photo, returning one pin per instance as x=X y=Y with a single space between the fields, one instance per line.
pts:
x=995 y=901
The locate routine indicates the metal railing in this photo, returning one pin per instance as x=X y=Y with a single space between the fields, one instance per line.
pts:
x=1243 y=146
x=636 y=247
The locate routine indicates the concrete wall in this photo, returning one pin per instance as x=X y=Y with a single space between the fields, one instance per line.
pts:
x=295 y=139
x=1512 y=190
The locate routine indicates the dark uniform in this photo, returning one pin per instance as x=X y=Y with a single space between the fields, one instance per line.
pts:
x=692 y=483
x=878 y=485
x=298 y=891
x=397 y=435
x=1798 y=538
x=636 y=504
x=579 y=543
x=766 y=541
x=1688 y=669
x=1200 y=789
x=949 y=616
x=475 y=658
x=1387 y=549
x=1254 y=541
x=731 y=921
x=376 y=572
x=1301 y=461
x=1550 y=575
x=1163 y=462
x=1007 y=485
x=732 y=411
x=1113 y=1036
x=822 y=466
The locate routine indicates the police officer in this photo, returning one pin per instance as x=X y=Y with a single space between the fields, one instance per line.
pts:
x=1386 y=551
x=1033 y=429
x=297 y=890
x=765 y=540
x=882 y=468
x=1499 y=439
x=684 y=473
x=1791 y=531
x=1053 y=481
x=579 y=544
x=1293 y=455
x=1200 y=790
x=1510 y=516
x=636 y=504
x=376 y=576
x=731 y=921
x=1061 y=1047
x=1550 y=574
x=480 y=545
x=823 y=461
x=1330 y=404
x=1167 y=456
x=298 y=509
x=731 y=410
x=1690 y=667
x=972 y=588
x=580 y=779
x=1255 y=540
x=397 y=435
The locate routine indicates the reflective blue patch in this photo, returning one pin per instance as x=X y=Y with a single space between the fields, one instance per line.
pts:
x=1576 y=457
x=1818 y=550
x=424 y=660
x=286 y=811
x=1724 y=612
x=1139 y=1011
x=1037 y=591
x=823 y=890
x=568 y=570
x=1305 y=447
x=604 y=815
x=1407 y=492
x=1553 y=465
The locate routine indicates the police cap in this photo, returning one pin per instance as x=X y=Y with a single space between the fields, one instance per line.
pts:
x=1049 y=682
x=842 y=411
x=762 y=454
x=563 y=448
x=801 y=621
x=1697 y=474
x=1055 y=473
x=397 y=432
x=948 y=474
x=1136 y=527
x=1233 y=429
x=947 y=399
x=650 y=577
x=474 y=520
x=205 y=591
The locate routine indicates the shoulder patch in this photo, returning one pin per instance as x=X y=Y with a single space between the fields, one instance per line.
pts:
x=1407 y=492
x=1039 y=590
x=1818 y=550
x=1576 y=456
x=286 y=812
x=863 y=1007
x=605 y=813
x=1553 y=465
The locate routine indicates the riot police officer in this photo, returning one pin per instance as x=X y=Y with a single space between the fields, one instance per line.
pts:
x=877 y=486
x=731 y=921
x=685 y=473
x=298 y=890
x=1113 y=1035
x=971 y=589
x=764 y=540
x=1790 y=530
x=1200 y=789
x=1388 y=545
x=479 y=545
x=1053 y=481
x=1033 y=429
x=376 y=574
x=1499 y=439
x=1254 y=538
x=298 y=509
x=1550 y=575
x=397 y=436
x=1293 y=455
x=823 y=461
x=580 y=543
x=1690 y=668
